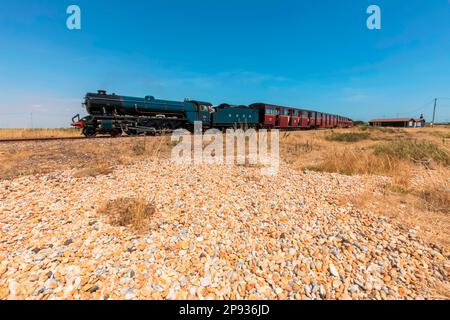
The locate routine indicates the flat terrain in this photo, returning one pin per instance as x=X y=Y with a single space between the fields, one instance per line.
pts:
x=352 y=214
x=38 y=133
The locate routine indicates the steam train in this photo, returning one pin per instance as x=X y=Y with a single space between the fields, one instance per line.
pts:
x=114 y=115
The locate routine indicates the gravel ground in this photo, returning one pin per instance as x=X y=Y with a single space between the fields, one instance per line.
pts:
x=218 y=233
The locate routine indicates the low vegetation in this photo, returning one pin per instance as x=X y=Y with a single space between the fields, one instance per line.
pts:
x=365 y=127
x=347 y=136
x=440 y=134
x=356 y=161
x=434 y=198
x=416 y=151
x=135 y=213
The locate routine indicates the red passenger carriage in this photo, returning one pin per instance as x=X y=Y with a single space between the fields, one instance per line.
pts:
x=283 y=117
x=274 y=116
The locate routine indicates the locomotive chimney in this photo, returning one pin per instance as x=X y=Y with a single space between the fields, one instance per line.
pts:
x=102 y=92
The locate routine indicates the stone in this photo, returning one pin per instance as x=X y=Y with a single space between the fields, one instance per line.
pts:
x=205 y=281
x=333 y=270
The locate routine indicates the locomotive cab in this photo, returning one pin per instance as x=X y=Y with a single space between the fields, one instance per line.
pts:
x=204 y=111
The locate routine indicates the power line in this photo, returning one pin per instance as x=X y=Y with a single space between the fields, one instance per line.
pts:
x=424 y=108
x=418 y=109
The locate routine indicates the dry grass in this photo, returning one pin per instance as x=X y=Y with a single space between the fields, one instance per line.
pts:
x=98 y=168
x=39 y=133
x=440 y=134
x=85 y=157
x=434 y=196
x=379 y=129
x=135 y=213
x=356 y=161
x=416 y=151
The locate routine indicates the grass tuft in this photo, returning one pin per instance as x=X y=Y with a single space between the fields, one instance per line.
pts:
x=129 y=212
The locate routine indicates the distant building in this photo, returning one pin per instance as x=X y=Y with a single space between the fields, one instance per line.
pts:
x=399 y=122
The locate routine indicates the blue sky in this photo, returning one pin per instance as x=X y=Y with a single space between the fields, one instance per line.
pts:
x=315 y=54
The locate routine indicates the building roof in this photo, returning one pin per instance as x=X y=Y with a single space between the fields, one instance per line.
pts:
x=398 y=120
x=392 y=120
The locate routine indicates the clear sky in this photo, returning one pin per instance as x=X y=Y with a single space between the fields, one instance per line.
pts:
x=316 y=54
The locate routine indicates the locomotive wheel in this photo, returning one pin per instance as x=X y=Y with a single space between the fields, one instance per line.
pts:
x=116 y=133
x=89 y=132
x=131 y=132
x=165 y=126
x=151 y=132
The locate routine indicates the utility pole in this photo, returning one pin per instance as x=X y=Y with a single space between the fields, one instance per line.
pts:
x=434 y=111
x=31 y=119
